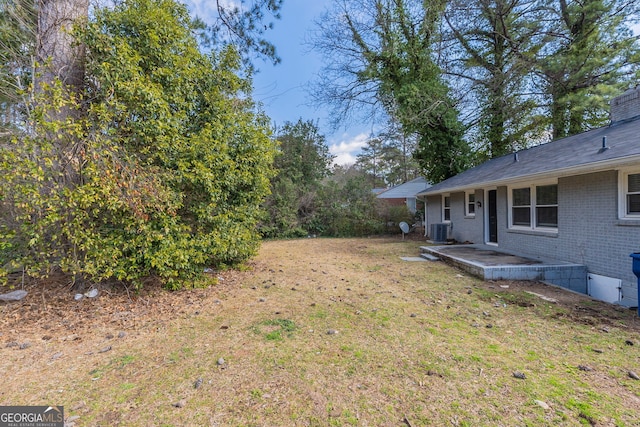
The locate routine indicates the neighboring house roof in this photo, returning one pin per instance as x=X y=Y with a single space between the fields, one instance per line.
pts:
x=568 y=156
x=407 y=190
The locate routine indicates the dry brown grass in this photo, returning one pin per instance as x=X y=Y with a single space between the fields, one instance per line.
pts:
x=416 y=343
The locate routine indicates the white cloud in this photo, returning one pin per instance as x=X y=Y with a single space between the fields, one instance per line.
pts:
x=344 y=159
x=206 y=9
x=348 y=148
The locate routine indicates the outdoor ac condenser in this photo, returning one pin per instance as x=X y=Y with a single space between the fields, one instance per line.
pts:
x=439 y=232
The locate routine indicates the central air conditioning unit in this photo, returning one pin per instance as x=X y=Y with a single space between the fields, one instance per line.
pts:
x=439 y=232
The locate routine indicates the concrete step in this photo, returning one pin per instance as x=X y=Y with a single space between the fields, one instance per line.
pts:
x=429 y=257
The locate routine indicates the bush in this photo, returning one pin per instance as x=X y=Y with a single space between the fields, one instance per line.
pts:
x=162 y=173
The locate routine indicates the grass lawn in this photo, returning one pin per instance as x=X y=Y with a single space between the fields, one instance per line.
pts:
x=325 y=332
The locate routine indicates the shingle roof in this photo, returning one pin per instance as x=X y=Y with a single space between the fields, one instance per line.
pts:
x=408 y=189
x=572 y=155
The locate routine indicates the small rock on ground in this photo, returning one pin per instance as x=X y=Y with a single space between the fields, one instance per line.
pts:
x=542 y=404
x=14 y=295
x=180 y=403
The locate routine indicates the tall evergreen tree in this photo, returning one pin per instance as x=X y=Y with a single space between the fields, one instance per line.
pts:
x=370 y=160
x=588 y=55
x=18 y=23
x=487 y=39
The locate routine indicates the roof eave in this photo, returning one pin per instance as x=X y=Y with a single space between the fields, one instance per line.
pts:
x=555 y=173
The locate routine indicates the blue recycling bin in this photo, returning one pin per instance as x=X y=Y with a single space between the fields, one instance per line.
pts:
x=636 y=271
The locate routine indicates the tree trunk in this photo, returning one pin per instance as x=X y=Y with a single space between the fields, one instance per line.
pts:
x=57 y=54
x=59 y=57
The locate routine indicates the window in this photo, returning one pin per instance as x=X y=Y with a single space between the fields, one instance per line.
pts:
x=547 y=206
x=632 y=194
x=470 y=204
x=411 y=204
x=535 y=206
x=446 y=208
x=521 y=210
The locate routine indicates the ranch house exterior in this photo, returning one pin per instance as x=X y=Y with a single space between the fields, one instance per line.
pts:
x=576 y=199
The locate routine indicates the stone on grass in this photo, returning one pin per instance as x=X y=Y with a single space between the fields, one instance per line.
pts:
x=542 y=404
x=180 y=403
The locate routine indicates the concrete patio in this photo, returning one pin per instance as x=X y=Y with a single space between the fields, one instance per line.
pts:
x=491 y=263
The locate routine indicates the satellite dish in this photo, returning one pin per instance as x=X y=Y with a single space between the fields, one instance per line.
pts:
x=404 y=227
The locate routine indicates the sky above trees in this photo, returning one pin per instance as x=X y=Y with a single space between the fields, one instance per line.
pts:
x=282 y=88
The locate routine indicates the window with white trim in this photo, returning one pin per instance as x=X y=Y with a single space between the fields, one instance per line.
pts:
x=631 y=199
x=534 y=207
x=547 y=206
x=446 y=207
x=470 y=204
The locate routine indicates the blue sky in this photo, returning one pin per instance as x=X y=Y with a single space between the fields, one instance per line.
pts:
x=282 y=88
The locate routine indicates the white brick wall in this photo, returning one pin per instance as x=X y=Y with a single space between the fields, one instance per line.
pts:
x=626 y=106
x=589 y=231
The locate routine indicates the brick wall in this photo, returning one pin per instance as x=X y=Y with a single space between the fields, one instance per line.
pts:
x=589 y=231
x=626 y=106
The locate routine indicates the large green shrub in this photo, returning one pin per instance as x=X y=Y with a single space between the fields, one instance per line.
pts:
x=162 y=169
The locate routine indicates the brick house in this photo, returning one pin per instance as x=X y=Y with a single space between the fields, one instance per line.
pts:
x=405 y=194
x=576 y=199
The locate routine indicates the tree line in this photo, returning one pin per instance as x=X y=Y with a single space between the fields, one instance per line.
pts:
x=130 y=145
x=471 y=80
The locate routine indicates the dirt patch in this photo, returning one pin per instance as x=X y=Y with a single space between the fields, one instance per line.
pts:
x=577 y=307
x=51 y=310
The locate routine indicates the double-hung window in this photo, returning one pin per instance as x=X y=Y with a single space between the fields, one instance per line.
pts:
x=470 y=204
x=630 y=197
x=534 y=207
x=521 y=207
x=547 y=206
x=446 y=207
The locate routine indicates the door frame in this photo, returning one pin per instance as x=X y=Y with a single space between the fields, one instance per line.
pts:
x=487 y=215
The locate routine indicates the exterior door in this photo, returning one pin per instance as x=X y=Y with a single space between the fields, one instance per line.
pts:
x=492 y=214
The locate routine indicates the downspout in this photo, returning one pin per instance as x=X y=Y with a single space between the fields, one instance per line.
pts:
x=425 y=216
x=424 y=223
